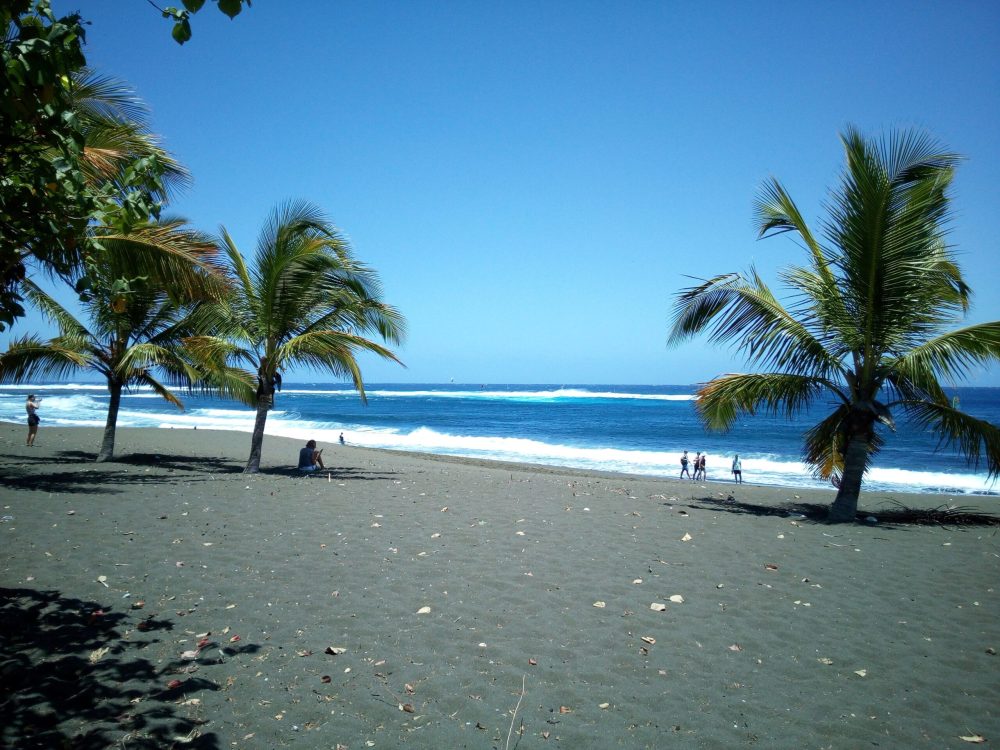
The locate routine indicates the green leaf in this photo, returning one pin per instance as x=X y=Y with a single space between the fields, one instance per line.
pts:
x=193 y=5
x=231 y=8
x=181 y=32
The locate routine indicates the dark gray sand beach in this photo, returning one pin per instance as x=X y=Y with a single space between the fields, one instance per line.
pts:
x=167 y=600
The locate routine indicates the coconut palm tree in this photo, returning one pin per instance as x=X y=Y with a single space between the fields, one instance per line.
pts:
x=136 y=324
x=303 y=300
x=867 y=324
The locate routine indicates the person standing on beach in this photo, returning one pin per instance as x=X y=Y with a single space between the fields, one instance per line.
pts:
x=701 y=467
x=342 y=438
x=697 y=466
x=31 y=406
x=684 y=466
x=310 y=459
x=737 y=469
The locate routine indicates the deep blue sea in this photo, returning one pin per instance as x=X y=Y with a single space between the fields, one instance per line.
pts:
x=634 y=429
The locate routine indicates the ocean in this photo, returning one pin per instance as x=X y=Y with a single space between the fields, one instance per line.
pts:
x=631 y=429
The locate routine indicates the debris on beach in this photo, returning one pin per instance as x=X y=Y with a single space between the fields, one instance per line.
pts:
x=424 y=611
x=335 y=650
x=658 y=607
x=687 y=537
x=677 y=599
x=600 y=604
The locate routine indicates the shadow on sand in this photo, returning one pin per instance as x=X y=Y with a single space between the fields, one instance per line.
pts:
x=892 y=515
x=82 y=475
x=69 y=678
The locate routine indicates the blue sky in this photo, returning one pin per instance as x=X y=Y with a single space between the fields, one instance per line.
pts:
x=533 y=180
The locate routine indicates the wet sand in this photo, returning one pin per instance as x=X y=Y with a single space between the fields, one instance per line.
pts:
x=168 y=600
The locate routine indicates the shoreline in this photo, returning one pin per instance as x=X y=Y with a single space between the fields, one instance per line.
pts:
x=290 y=447
x=167 y=599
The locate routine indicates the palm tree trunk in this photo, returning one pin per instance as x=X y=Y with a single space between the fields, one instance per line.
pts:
x=108 y=443
x=845 y=506
x=257 y=439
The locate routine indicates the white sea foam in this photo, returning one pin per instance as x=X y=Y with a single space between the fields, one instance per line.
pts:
x=29 y=388
x=759 y=470
x=548 y=395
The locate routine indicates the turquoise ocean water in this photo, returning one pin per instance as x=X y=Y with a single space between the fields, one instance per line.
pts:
x=633 y=429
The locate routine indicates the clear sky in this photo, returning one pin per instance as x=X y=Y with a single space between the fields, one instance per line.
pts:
x=534 y=180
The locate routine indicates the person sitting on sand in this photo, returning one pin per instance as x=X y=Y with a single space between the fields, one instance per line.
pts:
x=737 y=469
x=310 y=459
x=684 y=466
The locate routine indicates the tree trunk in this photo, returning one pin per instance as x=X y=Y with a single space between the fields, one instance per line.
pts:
x=257 y=439
x=108 y=443
x=845 y=506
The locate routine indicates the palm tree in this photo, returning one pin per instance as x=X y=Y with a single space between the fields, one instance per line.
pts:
x=868 y=321
x=136 y=324
x=304 y=300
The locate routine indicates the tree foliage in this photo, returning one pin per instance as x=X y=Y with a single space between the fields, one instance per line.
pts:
x=76 y=153
x=303 y=299
x=181 y=31
x=136 y=324
x=867 y=321
x=45 y=199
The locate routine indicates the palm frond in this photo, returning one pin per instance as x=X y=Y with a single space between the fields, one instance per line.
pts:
x=722 y=400
x=951 y=355
x=141 y=357
x=98 y=96
x=823 y=444
x=888 y=221
x=29 y=358
x=976 y=438
x=744 y=311
x=332 y=351
x=53 y=311
x=362 y=315
x=229 y=382
x=159 y=389
x=216 y=351
x=181 y=261
x=115 y=123
x=776 y=213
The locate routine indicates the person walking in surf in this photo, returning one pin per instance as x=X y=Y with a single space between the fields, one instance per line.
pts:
x=684 y=466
